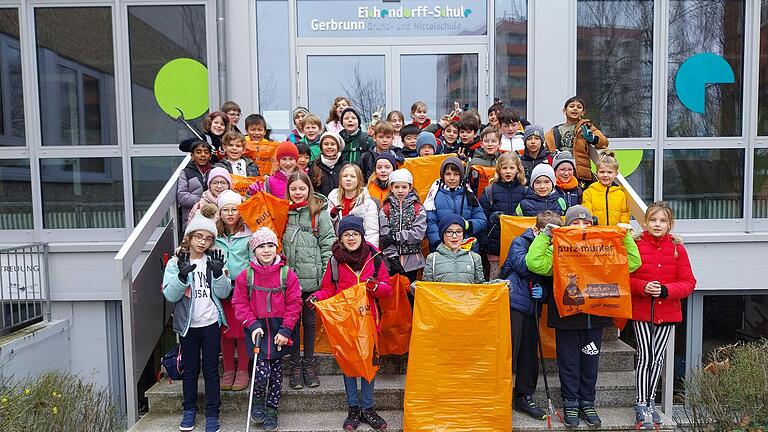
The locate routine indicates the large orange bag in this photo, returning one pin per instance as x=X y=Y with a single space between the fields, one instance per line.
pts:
x=590 y=271
x=262 y=154
x=396 y=317
x=351 y=330
x=240 y=183
x=265 y=210
x=460 y=357
x=425 y=171
x=480 y=178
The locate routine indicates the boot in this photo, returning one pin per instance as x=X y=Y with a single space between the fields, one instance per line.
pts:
x=241 y=380
x=310 y=376
x=270 y=419
x=353 y=419
x=225 y=383
x=589 y=414
x=571 y=413
x=524 y=403
x=297 y=380
x=640 y=422
x=373 y=420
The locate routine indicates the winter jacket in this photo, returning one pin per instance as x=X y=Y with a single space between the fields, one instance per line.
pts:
x=237 y=255
x=521 y=281
x=529 y=162
x=269 y=306
x=189 y=189
x=174 y=290
x=502 y=197
x=533 y=204
x=571 y=197
x=483 y=159
x=314 y=147
x=213 y=140
x=277 y=184
x=251 y=169
x=406 y=226
x=446 y=147
x=539 y=261
x=377 y=192
x=608 y=204
x=328 y=176
x=365 y=207
x=295 y=136
x=355 y=145
x=457 y=201
x=461 y=266
x=368 y=160
x=580 y=150
x=664 y=260
x=307 y=245
x=334 y=126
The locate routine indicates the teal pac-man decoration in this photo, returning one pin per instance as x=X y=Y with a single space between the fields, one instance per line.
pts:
x=182 y=84
x=696 y=73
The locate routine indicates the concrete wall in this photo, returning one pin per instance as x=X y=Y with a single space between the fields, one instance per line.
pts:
x=36 y=349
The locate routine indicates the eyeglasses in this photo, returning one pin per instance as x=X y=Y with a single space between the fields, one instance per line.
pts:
x=202 y=237
x=219 y=183
x=351 y=235
x=458 y=233
x=230 y=210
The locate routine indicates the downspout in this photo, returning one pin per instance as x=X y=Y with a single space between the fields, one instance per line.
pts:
x=221 y=48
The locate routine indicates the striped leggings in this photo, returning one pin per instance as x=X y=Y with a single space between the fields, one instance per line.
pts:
x=647 y=366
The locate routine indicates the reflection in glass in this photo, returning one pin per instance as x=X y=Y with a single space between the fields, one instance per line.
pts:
x=706 y=26
x=614 y=70
x=641 y=178
x=762 y=84
x=15 y=195
x=149 y=175
x=75 y=65
x=273 y=59
x=512 y=53
x=704 y=183
x=438 y=80
x=728 y=319
x=11 y=90
x=82 y=193
x=760 y=184
x=157 y=35
x=358 y=77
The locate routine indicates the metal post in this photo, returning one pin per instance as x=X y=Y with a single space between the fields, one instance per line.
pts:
x=668 y=391
x=47 y=282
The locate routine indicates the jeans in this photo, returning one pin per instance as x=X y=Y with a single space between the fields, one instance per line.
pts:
x=366 y=392
x=205 y=340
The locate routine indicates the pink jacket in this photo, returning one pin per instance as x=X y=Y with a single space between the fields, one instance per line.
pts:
x=277 y=184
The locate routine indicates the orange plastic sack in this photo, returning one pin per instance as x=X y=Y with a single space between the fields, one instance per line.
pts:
x=511 y=228
x=459 y=359
x=590 y=271
x=264 y=209
x=262 y=154
x=240 y=183
x=396 y=317
x=351 y=330
x=425 y=171
x=480 y=178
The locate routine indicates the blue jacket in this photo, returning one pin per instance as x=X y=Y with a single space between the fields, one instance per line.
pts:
x=520 y=279
x=572 y=197
x=458 y=202
x=499 y=197
x=533 y=204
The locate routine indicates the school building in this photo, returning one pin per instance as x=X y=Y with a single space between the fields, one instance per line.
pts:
x=86 y=152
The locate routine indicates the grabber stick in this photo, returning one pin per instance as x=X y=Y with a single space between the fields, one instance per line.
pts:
x=550 y=406
x=184 y=121
x=253 y=374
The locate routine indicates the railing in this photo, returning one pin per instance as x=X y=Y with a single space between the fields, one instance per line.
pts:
x=24 y=287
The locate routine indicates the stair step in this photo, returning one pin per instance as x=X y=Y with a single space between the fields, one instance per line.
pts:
x=613 y=419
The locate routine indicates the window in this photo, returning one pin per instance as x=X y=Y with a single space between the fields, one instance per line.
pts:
x=438 y=80
x=274 y=63
x=15 y=195
x=641 y=178
x=149 y=175
x=760 y=184
x=82 y=193
x=157 y=35
x=75 y=66
x=614 y=69
x=11 y=91
x=762 y=84
x=511 y=55
x=728 y=319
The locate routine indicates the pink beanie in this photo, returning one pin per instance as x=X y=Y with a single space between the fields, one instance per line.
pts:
x=262 y=236
x=219 y=172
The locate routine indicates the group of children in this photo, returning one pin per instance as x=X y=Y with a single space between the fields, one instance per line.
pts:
x=355 y=217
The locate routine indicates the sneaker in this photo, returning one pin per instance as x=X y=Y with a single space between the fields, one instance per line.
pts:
x=257 y=412
x=353 y=419
x=525 y=404
x=297 y=379
x=310 y=376
x=373 y=420
x=188 y=420
x=571 y=413
x=270 y=419
x=212 y=424
x=640 y=422
x=225 y=383
x=241 y=381
x=655 y=414
x=589 y=414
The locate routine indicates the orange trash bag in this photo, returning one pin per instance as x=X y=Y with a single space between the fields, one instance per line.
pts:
x=396 y=317
x=262 y=154
x=265 y=210
x=351 y=330
x=590 y=271
x=425 y=171
x=460 y=356
x=511 y=228
x=240 y=183
x=480 y=177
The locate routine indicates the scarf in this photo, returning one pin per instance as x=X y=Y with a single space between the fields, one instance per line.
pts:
x=354 y=259
x=330 y=163
x=298 y=205
x=382 y=185
x=208 y=196
x=570 y=184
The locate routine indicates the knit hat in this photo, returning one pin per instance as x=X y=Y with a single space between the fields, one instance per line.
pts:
x=262 y=236
x=286 y=149
x=577 y=212
x=449 y=220
x=532 y=130
x=452 y=160
x=219 y=172
x=300 y=109
x=425 y=138
x=203 y=221
x=229 y=197
x=563 y=156
x=543 y=170
x=351 y=223
x=401 y=175
x=388 y=156
x=352 y=110
x=335 y=136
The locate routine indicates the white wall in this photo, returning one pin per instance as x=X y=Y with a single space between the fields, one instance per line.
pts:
x=87 y=338
x=32 y=352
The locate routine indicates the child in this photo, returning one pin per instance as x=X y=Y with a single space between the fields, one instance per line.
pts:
x=378 y=186
x=397 y=119
x=234 y=161
x=352 y=199
x=409 y=134
x=501 y=196
x=426 y=144
x=215 y=125
x=356 y=142
x=286 y=154
x=311 y=126
x=324 y=171
x=511 y=131
x=450 y=196
x=468 y=127
x=257 y=147
x=574 y=135
x=356 y=261
x=298 y=115
x=192 y=179
x=194 y=281
x=526 y=291
x=450 y=262
x=233 y=242
x=604 y=198
x=493 y=114
x=382 y=137
x=218 y=181
x=449 y=140
x=664 y=278
x=305 y=155
x=267 y=302
x=567 y=185
x=535 y=152
x=233 y=112
x=419 y=115
x=541 y=195
x=333 y=122
x=403 y=223
x=486 y=155
x=307 y=245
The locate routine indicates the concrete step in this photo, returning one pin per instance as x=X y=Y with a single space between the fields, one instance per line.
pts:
x=613 y=419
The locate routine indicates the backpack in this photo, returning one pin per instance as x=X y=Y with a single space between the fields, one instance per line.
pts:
x=387 y=208
x=173 y=364
x=269 y=291
x=377 y=260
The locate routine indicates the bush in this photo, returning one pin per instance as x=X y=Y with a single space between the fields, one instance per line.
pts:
x=56 y=402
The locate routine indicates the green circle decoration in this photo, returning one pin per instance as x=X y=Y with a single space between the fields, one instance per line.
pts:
x=182 y=83
x=629 y=160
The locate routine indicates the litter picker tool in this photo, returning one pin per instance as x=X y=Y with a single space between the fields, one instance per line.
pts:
x=189 y=126
x=256 y=344
x=550 y=406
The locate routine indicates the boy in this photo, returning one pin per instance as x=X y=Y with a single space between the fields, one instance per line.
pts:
x=419 y=115
x=511 y=131
x=449 y=140
x=574 y=135
x=605 y=198
x=383 y=134
x=234 y=162
x=577 y=337
x=298 y=115
x=311 y=127
x=493 y=113
x=535 y=152
x=233 y=112
x=468 y=127
x=426 y=144
x=409 y=134
x=486 y=155
x=257 y=147
x=541 y=195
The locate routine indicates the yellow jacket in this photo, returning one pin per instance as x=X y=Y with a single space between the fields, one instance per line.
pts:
x=610 y=201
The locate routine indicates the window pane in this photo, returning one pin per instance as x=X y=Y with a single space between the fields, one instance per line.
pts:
x=704 y=184
x=157 y=35
x=706 y=26
x=11 y=90
x=82 y=193
x=762 y=84
x=438 y=80
x=75 y=65
x=273 y=58
x=760 y=184
x=615 y=64
x=149 y=176
x=728 y=319
x=15 y=195
x=641 y=178
x=512 y=53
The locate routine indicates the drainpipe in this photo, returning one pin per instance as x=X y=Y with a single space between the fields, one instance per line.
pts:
x=222 y=51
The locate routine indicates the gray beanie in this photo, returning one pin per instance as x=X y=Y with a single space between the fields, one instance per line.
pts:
x=532 y=130
x=563 y=156
x=577 y=212
x=545 y=170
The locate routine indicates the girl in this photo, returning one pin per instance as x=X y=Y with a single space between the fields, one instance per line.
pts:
x=604 y=198
x=502 y=196
x=356 y=142
x=384 y=165
x=450 y=262
x=267 y=302
x=286 y=155
x=233 y=242
x=333 y=122
x=219 y=180
x=194 y=280
x=403 y=224
x=567 y=185
x=351 y=199
x=450 y=195
x=307 y=244
x=664 y=278
x=234 y=161
x=541 y=195
x=397 y=119
x=191 y=183
x=305 y=154
x=325 y=170
x=215 y=125
x=355 y=261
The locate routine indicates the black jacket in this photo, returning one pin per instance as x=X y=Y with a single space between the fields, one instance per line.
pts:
x=500 y=197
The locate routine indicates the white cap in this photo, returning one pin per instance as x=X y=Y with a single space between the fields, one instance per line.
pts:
x=401 y=175
x=228 y=197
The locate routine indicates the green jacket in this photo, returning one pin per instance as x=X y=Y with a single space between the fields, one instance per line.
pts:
x=444 y=265
x=236 y=252
x=308 y=250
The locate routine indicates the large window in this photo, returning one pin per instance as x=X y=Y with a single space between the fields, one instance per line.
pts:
x=149 y=175
x=728 y=319
x=615 y=65
x=273 y=55
x=437 y=80
x=760 y=184
x=15 y=195
x=511 y=55
x=641 y=178
x=762 y=84
x=11 y=91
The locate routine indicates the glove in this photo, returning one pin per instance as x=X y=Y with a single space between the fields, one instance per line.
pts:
x=588 y=134
x=259 y=332
x=371 y=285
x=254 y=188
x=495 y=217
x=627 y=227
x=548 y=229
x=335 y=211
x=310 y=302
x=386 y=241
x=467 y=226
x=394 y=266
x=537 y=292
x=185 y=268
x=216 y=263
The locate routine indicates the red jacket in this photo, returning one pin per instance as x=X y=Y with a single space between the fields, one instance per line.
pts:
x=664 y=260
